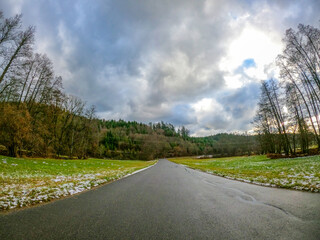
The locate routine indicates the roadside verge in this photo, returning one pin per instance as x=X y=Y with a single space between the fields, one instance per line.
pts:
x=26 y=182
x=292 y=173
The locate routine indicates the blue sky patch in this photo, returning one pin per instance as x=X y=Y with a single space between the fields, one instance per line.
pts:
x=248 y=63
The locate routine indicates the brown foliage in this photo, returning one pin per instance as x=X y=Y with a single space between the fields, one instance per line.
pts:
x=14 y=127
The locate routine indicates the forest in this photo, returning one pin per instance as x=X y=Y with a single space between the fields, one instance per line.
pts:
x=132 y=140
x=287 y=120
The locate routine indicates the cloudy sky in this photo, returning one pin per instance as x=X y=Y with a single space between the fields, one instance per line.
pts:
x=195 y=63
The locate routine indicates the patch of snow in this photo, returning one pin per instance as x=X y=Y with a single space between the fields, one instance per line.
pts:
x=19 y=195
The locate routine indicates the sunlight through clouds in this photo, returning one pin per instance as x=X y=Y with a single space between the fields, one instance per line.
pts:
x=251 y=44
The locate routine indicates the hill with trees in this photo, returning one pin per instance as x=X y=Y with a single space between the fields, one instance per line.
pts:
x=36 y=117
x=133 y=140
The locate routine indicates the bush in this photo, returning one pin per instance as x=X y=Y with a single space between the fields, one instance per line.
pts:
x=275 y=156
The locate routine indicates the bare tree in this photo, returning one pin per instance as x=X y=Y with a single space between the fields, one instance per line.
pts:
x=20 y=47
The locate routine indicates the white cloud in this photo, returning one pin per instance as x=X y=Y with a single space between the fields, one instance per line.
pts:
x=233 y=80
x=252 y=43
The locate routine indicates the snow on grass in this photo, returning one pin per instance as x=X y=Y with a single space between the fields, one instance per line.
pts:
x=297 y=173
x=25 y=182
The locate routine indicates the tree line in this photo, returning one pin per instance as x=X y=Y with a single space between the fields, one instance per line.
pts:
x=287 y=120
x=133 y=140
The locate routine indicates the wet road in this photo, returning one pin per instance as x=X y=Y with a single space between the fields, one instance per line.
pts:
x=170 y=201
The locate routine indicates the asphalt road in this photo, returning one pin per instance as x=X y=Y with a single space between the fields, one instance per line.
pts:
x=170 y=201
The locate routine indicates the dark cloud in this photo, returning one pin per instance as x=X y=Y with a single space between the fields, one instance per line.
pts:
x=241 y=104
x=155 y=60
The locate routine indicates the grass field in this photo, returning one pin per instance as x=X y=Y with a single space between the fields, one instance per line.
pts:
x=29 y=181
x=297 y=173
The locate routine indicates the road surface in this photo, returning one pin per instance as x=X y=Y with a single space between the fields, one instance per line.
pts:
x=170 y=201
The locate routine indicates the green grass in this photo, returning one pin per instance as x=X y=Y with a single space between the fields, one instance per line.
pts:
x=28 y=181
x=297 y=173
